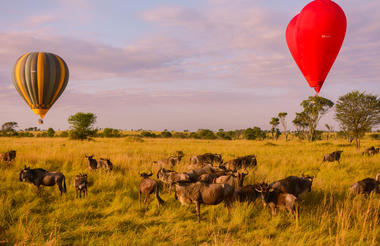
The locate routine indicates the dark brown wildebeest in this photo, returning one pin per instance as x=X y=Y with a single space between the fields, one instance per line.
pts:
x=201 y=193
x=241 y=162
x=371 y=151
x=366 y=186
x=294 y=185
x=40 y=176
x=235 y=179
x=247 y=193
x=276 y=199
x=208 y=158
x=8 y=156
x=170 y=177
x=147 y=187
x=80 y=184
x=105 y=163
x=334 y=156
x=92 y=163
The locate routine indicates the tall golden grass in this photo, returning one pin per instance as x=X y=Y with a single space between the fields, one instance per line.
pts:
x=111 y=215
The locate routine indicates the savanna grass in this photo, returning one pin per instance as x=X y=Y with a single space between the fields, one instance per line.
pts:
x=111 y=215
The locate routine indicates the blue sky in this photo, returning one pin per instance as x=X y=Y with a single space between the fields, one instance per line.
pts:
x=179 y=64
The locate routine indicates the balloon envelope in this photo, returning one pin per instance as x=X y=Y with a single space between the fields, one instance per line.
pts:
x=314 y=38
x=40 y=78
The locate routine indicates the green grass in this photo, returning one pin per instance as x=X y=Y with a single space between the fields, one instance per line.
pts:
x=111 y=215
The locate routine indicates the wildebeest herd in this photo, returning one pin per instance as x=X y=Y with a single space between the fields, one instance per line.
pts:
x=208 y=181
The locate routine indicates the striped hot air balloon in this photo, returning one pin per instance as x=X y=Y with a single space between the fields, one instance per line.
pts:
x=40 y=78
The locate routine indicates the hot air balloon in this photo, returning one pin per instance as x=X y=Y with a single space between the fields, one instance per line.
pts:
x=314 y=38
x=40 y=78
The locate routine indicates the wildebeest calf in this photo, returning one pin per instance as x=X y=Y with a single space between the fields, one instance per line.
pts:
x=8 y=156
x=201 y=193
x=40 y=176
x=105 y=163
x=334 y=156
x=294 y=185
x=80 y=183
x=147 y=187
x=366 y=186
x=276 y=199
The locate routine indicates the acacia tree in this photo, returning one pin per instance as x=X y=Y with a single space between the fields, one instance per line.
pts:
x=357 y=113
x=9 y=126
x=275 y=122
x=282 y=116
x=82 y=125
x=313 y=110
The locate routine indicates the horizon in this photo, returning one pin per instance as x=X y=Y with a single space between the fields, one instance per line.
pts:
x=195 y=65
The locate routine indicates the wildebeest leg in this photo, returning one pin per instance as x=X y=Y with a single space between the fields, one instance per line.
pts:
x=140 y=199
x=170 y=188
x=198 y=210
x=273 y=208
x=76 y=193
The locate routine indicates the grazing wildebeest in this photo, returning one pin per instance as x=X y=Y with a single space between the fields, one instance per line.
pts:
x=80 y=184
x=334 y=156
x=171 y=161
x=247 y=193
x=241 y=162
x=235 y=179
x=195 y=174
x=147 y=187
x=208 y=158
x=366 y=186
x=371 y=151
x=276 y=199
x=8 y=156
x=202 y=193
x=105 y=163
x=40 y=176
x=170 y=177
x=92 y=163
x=294 y=185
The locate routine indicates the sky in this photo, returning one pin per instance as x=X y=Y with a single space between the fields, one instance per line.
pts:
x=179 y=64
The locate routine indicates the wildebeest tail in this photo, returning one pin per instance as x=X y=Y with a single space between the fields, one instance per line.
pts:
x=64 y=184
x=160 y=201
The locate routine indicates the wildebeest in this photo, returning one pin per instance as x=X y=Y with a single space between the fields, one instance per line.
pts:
x=170 y=177
x=169 y=162
x=371 y=151
x=334 y=156
x=147 y=187
x=80 y=184
x=40 y=176
x=202 y=193
x=241 y=162
x=366 y=186
x=92 y=163
x=195 y=174
x=276 y=199
x=247 y=193
x=294 y=185
x=105 y=163
x=8 y=156
x=235 y=179
x=208 y=158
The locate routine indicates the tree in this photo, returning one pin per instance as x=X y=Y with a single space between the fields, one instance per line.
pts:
x=357 y=113
x=166 y=134
x=50 y=132
x=274 y=122
x=282 y=116
x=9 y=126
x=82 y=125
x=313 y=110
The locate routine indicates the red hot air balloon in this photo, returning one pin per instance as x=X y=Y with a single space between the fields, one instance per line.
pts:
x=314 y=38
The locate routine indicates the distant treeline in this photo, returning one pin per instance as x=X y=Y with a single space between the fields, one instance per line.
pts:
x=255 y=133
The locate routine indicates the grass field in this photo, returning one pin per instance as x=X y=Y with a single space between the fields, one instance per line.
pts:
x=111 y=215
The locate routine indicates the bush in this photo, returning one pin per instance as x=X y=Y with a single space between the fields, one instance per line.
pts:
x=206 y=134
x=147 y=134
x=375 y=136
x=50 y=132
x=166 y=134
x=110 y=133
x=64 y=134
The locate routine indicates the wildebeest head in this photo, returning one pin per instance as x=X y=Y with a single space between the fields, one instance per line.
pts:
x=377 y=178
x=218 y=158
x=12 y=154
x=26 y=175
x=308 y=180
x=146 y=175
x=108 y=163
x=240 y=177
x=264 y=189
x=89 y=157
